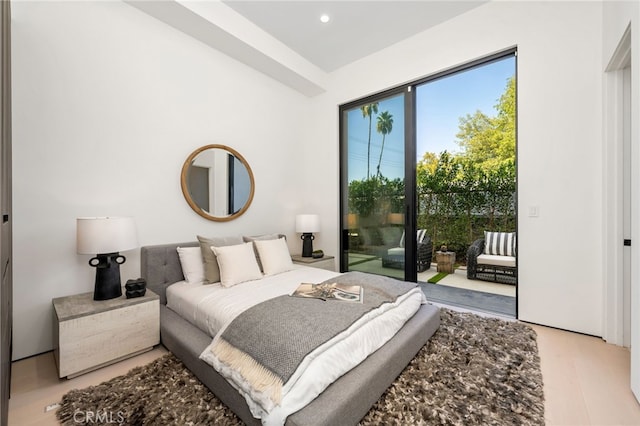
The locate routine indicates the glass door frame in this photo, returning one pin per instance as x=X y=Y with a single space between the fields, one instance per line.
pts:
x=410 y=252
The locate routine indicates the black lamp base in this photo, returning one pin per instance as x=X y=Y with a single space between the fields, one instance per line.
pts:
x=107 y=284
x=307 y=244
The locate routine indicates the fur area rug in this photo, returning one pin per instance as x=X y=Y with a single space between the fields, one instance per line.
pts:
x=473 y=371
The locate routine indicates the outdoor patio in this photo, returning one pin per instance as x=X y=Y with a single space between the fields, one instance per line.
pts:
x=459 y=280
x=453 y=289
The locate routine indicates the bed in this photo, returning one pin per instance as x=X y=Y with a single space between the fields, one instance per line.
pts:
x=343 y=402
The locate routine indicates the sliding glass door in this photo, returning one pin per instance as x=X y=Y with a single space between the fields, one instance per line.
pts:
x=428 y=168
x=466 y=184
x=374 y=185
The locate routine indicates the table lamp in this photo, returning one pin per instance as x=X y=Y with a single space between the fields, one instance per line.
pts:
x=306 y=224
x=106 y=237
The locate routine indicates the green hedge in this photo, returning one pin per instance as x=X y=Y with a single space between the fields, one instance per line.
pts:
x=457 y=201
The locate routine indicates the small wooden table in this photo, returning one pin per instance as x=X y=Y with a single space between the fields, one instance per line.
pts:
x=445 y=261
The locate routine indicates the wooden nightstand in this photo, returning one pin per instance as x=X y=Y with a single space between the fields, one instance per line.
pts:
x=326 y=262
x=89 y=334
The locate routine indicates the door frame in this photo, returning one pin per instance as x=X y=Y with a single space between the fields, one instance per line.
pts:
x=409 y=177
x=613 y=197
x=617 y=321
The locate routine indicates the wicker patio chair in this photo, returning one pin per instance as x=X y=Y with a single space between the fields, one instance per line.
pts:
x=479 y=269
x=394 y=258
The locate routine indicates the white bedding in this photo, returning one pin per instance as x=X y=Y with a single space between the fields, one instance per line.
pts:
x=212 y=307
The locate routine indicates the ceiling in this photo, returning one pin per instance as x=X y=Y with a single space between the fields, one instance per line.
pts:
x=357 y=28
x=286 y=40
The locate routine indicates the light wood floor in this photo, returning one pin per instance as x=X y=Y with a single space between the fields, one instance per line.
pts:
x=586 y=382
x=35 y=385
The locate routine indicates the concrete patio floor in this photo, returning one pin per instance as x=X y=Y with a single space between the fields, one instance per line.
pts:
x=372 y=264
x=459 y=280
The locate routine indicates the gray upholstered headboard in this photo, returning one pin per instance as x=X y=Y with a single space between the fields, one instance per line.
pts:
x=160 y=266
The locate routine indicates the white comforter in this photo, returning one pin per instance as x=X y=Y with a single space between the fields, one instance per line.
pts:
x=210 y=306
x=212 y=309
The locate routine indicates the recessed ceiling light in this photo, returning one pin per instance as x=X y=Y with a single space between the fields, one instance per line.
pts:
x=324 y=18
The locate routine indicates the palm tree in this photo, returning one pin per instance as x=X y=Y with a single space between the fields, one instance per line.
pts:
x=383 y=126
x=368 y=111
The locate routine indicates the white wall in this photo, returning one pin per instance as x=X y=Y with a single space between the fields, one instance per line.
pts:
x=559 y=139
x=108 y=103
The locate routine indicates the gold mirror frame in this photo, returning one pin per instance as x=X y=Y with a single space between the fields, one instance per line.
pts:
x=187 y=195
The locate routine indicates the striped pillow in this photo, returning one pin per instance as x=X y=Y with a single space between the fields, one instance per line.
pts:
x=500 y=243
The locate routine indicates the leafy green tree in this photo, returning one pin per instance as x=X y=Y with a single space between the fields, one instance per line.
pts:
x=506 y=120
x=369 y=110
x=384 y=126
x=362 y=196
x=491 y=141
x=376 y=196
x=459 y=195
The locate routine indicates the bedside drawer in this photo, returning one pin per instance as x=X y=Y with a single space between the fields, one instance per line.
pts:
x=99 y=337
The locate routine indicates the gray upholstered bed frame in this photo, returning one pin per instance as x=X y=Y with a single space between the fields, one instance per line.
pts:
x=345 y=402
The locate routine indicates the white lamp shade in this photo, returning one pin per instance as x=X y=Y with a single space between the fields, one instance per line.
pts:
x=98 y=235
x=307 y=223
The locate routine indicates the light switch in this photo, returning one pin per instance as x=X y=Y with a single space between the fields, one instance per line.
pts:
x=533 y=211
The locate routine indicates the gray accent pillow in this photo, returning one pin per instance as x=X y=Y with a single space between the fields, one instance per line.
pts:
x=261 y=238
x=211 y=268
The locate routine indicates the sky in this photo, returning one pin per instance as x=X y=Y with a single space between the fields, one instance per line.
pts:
x=393 y=155
x=439 y=106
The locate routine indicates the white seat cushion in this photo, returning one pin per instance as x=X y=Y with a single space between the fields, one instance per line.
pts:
x=492 y=259
x=396 y=251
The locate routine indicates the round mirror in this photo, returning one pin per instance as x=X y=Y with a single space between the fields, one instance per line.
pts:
x=217 y=182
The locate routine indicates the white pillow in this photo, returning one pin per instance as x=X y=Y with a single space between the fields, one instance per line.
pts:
x=260 y=237
x=237 y=264
x=192 y=264
x=274 y=256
